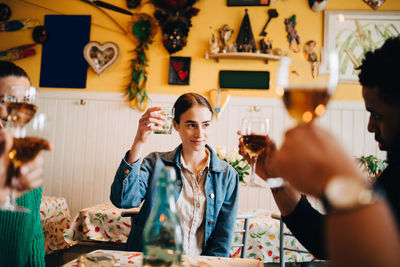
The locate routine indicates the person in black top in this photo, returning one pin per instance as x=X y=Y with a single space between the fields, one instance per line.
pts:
x=379 y=78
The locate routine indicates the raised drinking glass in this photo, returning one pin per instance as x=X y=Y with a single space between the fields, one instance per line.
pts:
x=305 y=91
x=27 y=129
x=254 y=132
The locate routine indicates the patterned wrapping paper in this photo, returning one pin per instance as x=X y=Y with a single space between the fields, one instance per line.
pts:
x=103 y=222
x=134 y=259
x=263 y=240
x=55 y=218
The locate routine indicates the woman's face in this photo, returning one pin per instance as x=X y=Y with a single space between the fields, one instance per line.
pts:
x=15 y=86
x=193 y=127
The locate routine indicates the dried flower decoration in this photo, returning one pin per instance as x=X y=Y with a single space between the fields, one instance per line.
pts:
x=142 y=29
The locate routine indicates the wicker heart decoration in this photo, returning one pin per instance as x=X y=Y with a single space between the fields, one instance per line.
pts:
x=100 y=56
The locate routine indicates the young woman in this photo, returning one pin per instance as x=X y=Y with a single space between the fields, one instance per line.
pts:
x=21 y=234
x=207 y=187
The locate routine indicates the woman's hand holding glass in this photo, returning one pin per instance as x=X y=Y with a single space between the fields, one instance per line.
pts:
x=151 y=120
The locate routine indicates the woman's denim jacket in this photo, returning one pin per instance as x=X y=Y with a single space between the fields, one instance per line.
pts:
x=135 y=182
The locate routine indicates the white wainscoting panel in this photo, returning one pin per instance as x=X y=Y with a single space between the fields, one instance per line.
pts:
x=92 y=132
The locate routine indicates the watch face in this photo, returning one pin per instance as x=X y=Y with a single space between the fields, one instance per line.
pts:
x=343 y=192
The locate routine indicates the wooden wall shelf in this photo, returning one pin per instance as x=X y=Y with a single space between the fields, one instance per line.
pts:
x=242 y=55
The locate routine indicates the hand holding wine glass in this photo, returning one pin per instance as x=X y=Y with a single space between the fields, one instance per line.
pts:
x=27 y=131
x=254 y=132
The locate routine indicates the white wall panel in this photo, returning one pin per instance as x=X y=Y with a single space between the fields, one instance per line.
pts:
x=91 y=137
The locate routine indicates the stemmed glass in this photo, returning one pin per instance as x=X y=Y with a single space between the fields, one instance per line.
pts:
x=23 y=125
x=254 y=131
x=304 y=93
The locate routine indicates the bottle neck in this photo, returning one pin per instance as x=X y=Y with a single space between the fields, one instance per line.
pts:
x=165 y=192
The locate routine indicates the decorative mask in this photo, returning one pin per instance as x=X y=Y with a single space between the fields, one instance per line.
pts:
x=374 y=3
x=317 y=5
x=174 y=18
x=174 y=36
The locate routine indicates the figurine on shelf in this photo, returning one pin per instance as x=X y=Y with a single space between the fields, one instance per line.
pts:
x=245 y=39
x=225 y=33
x=232 y=48
x=265 y=47
x=213 y=41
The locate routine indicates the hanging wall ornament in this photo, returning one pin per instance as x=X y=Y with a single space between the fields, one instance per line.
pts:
x=5 y=12
x=19 y=52
x=40 y=34
x=310 y=53
x=133 y=3
x=292 y=36
x=245 y=39
x=100 y=56
x=15 y=25
x=218 y=101
x=142 y=29
x=374 y=3
x=179 y=70
x=317 y=5
x=174 y=18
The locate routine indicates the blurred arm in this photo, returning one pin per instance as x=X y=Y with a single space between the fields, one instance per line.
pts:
x=364 y=237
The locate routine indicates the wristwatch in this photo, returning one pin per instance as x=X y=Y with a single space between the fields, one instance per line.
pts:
x=343 y=193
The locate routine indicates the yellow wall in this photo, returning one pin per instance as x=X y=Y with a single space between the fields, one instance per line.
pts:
x=204 y=73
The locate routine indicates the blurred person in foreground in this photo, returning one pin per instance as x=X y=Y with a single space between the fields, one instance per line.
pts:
x=316 y=161
x=360 y=228
x=21 y=234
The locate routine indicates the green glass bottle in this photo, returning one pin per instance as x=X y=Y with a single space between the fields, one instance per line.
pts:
x=162 y=234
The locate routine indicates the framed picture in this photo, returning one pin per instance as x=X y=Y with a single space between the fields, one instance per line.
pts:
x=353 y=33
x=248 y=2
x=179 y=70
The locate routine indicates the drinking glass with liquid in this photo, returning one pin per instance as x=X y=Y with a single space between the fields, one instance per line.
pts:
x=29 y=131
x=168 y=113
x=254 y=132
x=304 y=91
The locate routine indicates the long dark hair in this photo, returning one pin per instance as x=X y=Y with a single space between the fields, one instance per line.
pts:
x=10 y=69
x=188 y=100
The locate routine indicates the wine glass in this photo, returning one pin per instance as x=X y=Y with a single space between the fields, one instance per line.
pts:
x=25 y=129
x=304 y=91
x=254 y=131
